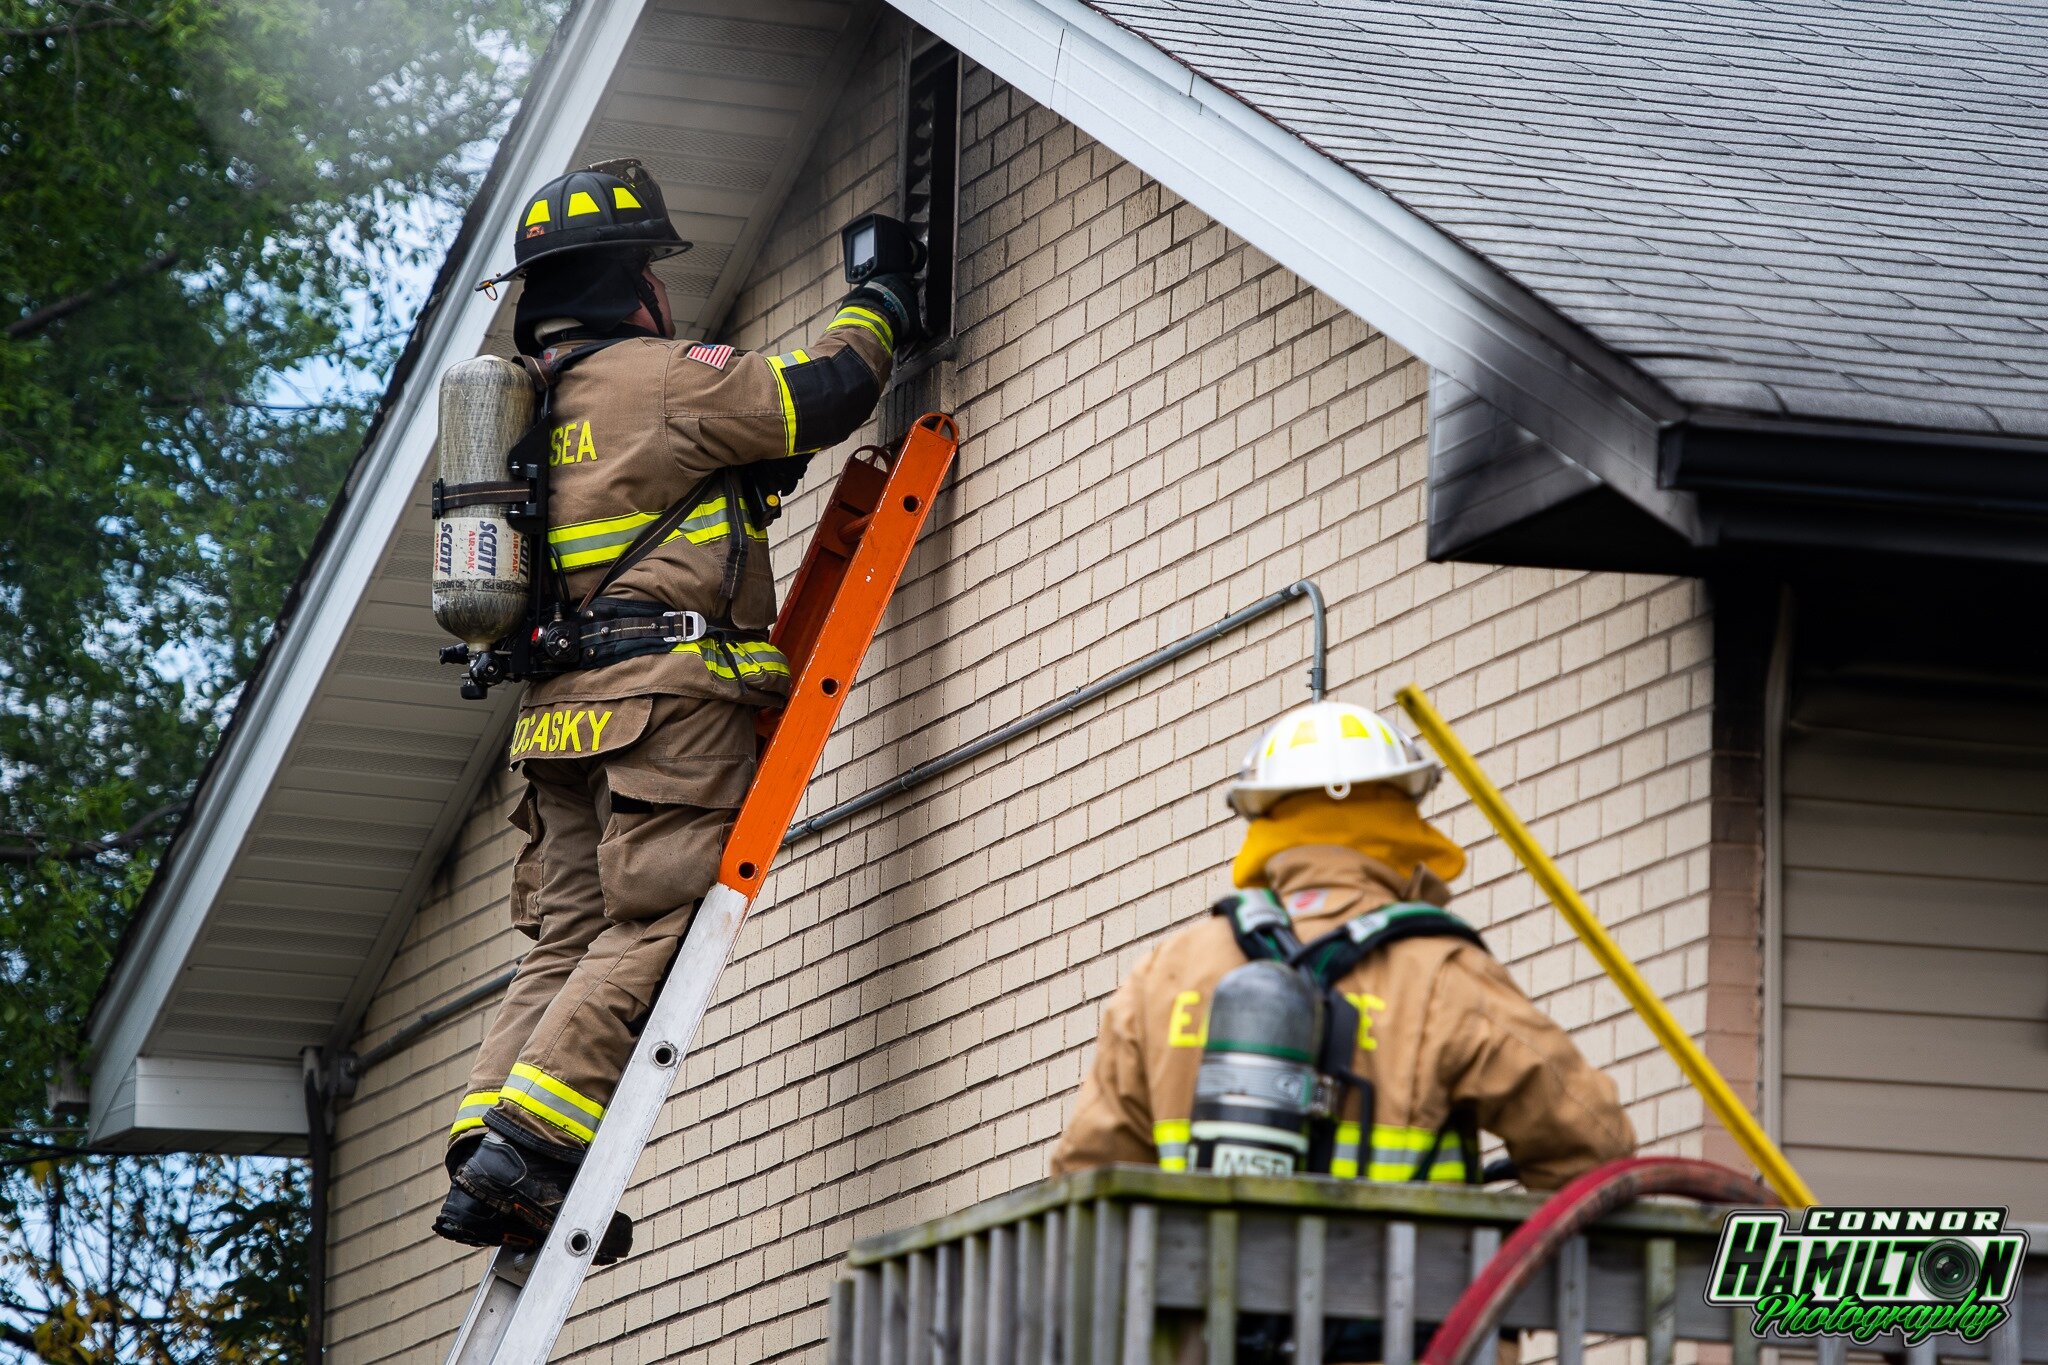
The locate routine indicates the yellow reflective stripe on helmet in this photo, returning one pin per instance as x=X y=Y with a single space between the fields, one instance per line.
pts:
x=470 y=1113
x=542 y=1095
x=538 y=213
x=775 y=367
x=622 y=198
x=852 y=316
x=580 y=204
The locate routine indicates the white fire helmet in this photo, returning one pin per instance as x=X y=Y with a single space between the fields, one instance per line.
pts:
x=1329 y=746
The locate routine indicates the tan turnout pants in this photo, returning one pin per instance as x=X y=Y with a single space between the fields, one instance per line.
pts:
x=621 y=844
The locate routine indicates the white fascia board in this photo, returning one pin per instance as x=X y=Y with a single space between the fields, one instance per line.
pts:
x=560 y=109
x=1436 y=298
x=167 y=1104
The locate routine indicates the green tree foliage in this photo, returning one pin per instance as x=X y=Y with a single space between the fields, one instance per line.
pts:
x=202 y=276
x=124 y=1260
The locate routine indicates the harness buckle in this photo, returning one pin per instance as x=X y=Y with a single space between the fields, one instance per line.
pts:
x=695 y=626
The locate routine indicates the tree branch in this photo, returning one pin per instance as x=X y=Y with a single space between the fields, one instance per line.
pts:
x=30 y=847
x=68 y=30
x=63 y=308
x=119 y=18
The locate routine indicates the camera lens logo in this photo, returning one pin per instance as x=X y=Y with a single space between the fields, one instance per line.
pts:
x=1949 y=1269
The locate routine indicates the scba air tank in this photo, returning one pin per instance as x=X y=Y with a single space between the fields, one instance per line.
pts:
x=1257 y=1084
x=481 y=565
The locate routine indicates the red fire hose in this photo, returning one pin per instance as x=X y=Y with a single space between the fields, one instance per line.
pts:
x=1475 y=1318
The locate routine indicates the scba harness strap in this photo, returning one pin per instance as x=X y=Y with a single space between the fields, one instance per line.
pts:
x=1265 y=933
x=603 y=630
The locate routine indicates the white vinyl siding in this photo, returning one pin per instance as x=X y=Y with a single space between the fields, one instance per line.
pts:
x=1915 y=978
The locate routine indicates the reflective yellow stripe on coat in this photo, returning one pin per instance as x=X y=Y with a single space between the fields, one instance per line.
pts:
x=1395 y=1151
x=1172 y=1138
x=738 y=660
x=584 y=543
x=852 y=315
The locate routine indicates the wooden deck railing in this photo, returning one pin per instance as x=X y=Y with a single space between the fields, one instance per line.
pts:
x=1126 y=1266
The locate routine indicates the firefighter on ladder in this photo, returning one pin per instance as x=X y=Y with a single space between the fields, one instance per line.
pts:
x=667 y=461
x=1340 y=867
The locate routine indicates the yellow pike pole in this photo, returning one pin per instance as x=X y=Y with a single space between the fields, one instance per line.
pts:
x=1777 y=1171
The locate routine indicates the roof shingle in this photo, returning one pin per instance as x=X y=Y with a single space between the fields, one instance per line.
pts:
x=1804 y=208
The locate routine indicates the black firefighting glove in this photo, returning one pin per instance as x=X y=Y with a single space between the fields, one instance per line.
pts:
x=774 y=480
x=895 y=298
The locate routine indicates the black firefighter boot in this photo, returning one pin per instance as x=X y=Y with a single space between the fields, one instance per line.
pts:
x=469 y=1220
x=523 y=1181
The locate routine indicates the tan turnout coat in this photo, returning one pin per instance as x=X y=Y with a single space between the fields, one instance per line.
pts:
x=1441 y=1024
x=641 y=423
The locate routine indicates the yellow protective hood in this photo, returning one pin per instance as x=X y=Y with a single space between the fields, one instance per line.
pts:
x=1382 y=823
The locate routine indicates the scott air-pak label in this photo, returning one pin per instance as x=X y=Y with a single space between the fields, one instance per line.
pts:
x=468 y=549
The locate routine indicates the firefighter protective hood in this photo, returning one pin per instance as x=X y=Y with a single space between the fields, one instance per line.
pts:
x=600 y=290
x=1379 y=821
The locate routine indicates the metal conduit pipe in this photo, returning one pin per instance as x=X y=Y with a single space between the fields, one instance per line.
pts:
x=1073 y=701
x=1318 y=675
x=354 y=1065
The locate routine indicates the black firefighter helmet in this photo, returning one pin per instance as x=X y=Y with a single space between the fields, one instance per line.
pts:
x=611 y=206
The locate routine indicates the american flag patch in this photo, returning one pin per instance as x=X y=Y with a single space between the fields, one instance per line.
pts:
x=714 y=356
x=1306 y=902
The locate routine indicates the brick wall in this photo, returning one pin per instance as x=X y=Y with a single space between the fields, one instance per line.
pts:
x=1162 y=426
x=391 y=1283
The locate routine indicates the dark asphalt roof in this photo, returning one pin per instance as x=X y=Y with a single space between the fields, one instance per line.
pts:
x=1789 y=207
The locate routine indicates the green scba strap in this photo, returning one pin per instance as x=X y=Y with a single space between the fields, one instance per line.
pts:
x=1265 y=933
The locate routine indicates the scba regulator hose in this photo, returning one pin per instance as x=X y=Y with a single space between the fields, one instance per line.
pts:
x=1475 y=1318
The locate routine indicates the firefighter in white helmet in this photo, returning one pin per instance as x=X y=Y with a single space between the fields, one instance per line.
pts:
x=1340 y=872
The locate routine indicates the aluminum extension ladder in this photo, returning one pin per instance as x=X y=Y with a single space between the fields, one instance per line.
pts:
x=835 y=606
